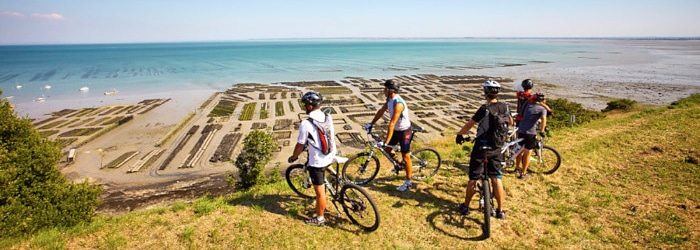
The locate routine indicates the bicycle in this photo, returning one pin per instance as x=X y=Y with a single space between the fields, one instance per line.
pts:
x=544 y=159
x=485 y=190
x=363 y=167
x=357 y=204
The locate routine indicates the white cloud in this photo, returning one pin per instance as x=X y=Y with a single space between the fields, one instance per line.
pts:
x=12 y=14
x=52 y=16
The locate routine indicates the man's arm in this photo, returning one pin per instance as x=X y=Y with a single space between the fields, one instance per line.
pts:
x=543 y=120
x=379 y=114
x=297 y=151
x=465 y=129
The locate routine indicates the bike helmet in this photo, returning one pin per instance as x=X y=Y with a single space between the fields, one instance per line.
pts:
x=391 y=84
x=312 y=98
x=527 y=84
x=539 y=97
x=491 y=87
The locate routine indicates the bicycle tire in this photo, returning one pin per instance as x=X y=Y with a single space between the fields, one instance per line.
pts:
x=429 y=161
x=486 y=192
x=359 y=207
x=550 y=161
x=295 y=178
x=360 y=169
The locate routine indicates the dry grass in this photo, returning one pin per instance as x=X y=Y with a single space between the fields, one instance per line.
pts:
x=628 y=181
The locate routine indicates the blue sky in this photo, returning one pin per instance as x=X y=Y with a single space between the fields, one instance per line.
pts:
x=126 y=21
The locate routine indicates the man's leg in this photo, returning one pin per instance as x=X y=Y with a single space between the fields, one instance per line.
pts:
x=409 y=165
x=526 y=161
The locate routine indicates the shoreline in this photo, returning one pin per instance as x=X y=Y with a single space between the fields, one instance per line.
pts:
x=648 y=65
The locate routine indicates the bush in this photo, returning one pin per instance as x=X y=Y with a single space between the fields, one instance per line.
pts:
x=620 y=104
x=563 y=109
x=34 y=194
x=256 y=153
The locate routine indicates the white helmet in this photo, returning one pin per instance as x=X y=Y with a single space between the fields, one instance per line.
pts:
x=491 y=87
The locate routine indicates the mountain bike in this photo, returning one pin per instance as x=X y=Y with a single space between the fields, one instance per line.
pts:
x=357 y=204
x=544 y=158
x=364 y=166
x=484 y=188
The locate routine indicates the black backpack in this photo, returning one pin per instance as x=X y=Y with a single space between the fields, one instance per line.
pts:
x=324 y=134
x=494 y=126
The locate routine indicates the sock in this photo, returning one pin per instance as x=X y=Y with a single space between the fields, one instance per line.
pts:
x=320 y=218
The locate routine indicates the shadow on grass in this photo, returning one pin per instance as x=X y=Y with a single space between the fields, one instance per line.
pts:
x=446 y=219
x=297 y=207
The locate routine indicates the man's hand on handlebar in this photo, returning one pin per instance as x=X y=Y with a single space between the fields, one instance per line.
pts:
x=291 y=159
x=368 y=127
x=459 y=139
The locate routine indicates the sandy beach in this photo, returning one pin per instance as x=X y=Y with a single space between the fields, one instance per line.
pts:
x=440 y=103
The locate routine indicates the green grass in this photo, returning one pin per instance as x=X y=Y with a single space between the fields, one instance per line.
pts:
x=628 y=181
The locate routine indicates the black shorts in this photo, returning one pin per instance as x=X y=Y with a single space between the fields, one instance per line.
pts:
x=530 y=141
x=404 y=137
x=317 y=175
x=493 y=166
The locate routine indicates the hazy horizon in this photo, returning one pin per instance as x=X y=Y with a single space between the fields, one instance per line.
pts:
x=79 y=22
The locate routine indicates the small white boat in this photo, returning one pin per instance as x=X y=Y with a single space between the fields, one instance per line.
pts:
x=40 y=99
x=112 y=92
x=84 y=89
x=47 y=86
x=18 y=86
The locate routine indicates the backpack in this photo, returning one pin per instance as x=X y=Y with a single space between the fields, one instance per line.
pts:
x=494 y=125
x=324 y=134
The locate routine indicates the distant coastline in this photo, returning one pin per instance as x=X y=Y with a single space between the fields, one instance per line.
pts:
x=648 y=69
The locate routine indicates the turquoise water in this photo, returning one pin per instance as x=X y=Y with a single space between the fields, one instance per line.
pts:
x=161 y=67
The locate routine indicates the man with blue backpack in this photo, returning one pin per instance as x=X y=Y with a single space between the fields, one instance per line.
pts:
x=493 y=119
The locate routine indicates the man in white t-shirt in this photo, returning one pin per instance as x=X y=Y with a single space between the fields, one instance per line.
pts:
x=318 y=161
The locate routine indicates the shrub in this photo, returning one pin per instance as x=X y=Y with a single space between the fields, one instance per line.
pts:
x=563 y=109
x=620 y=104
x=34 y=194
x=256 y=153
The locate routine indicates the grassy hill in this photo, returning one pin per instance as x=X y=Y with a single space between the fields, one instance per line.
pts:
x=627 y=181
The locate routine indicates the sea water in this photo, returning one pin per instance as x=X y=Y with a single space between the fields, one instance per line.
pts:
x=51 y=73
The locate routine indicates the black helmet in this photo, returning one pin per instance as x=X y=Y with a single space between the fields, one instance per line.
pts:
x=491 y=87
x=313 y=98
x=391 y=84
x=539 y=97
x=527 y=84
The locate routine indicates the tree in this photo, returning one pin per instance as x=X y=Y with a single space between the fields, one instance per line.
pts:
x=33 y=192
x=256 y=153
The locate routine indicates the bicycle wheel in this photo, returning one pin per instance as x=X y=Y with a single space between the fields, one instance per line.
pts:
x=546 y=161
x=486 y=192
x=359 y=207
x=295 y=178
x=426 y=162
x=361 y=168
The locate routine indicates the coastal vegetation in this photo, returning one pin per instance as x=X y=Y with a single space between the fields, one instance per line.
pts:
x=248 y=112
x=256 y=153
x=628 y=181
x=34 y=194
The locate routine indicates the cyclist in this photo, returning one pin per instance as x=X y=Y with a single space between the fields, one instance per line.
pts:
x=524 y=98
x=527 y=130
x=399 y=130
x=493 y=167
x=318 y=162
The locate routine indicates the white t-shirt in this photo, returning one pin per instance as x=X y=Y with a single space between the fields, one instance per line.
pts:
x=306 y=128
x=403 y=123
